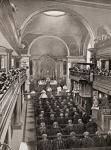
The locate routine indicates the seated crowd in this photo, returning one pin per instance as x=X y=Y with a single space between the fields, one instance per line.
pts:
x=102 y=72
x=6 y=79
x=77 y=69
x=60 y=125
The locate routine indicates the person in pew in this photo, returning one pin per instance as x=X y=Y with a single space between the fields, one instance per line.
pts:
x=80 y=127
x=72 y=111
x=40 y=119
x=87 y=141
x=73 y=141
x=42 y=129
x=108 y=138
x=59 y=142
x=91 y=126
x=55 y=129
x=85 y=118
x=99 y=140
x=61 y=119
x=52 y=119
x=69 y=128
x=66 y=117
x=57 y=110
x=76 y=117
x=44 y=144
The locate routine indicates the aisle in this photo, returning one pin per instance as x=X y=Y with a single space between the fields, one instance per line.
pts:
x=30 y=133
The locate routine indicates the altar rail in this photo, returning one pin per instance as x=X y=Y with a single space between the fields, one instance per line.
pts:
x=102 y=83
x=8 y=101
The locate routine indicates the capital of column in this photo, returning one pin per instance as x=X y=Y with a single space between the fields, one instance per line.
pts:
x=9 y=51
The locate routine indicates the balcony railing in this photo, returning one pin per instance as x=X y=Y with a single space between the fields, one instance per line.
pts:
x=8 y=100
x=79 y=75
x=102 y=83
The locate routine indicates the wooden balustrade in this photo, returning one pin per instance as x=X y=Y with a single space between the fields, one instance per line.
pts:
x=102 y=83
x=8 y=101
x=79 y=75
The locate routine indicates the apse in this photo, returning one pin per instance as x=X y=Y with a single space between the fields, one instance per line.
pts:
x=49 y=45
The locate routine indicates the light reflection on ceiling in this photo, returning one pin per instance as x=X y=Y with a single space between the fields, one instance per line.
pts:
x=54 y=13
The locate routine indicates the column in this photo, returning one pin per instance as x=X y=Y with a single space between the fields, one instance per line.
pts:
x=0 y=61
x=34 y=63
x=17 y=62
x=68 y=81
x=9 y=134
x=58 y=70
x=17 y=123
x=3 y=62
x=12 y=63
x=61 y=69
x=27 y=83
x=8 y=59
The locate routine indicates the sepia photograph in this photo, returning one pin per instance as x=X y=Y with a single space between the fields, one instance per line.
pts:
x=55 y=74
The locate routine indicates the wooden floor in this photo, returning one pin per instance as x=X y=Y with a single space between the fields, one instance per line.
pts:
x=30 y=133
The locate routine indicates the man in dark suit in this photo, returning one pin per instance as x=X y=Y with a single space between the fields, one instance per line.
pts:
x=87 y=141
x=69 y=128
x=42 y=129
x=73 y=141
x=80 y=127
x=99 y=140
x=61 y=119
x=58 y=143
x=91 y=126
x=55 y=129
x=108 y=138
x=44 y=144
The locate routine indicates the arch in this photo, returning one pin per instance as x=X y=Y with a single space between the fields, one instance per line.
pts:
x=50 y=36
x=61 y=8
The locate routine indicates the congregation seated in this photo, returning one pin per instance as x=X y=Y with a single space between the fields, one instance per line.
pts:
x=65 y=127
x=87 y=141
x=6 y=79
x=108 y=138
x=59 y=142
x=72 y=141
x=55 y=129
x=44 y=144
x=91 y=126
x=99 y=140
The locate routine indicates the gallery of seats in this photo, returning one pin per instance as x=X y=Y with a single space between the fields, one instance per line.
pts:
x=55 y=75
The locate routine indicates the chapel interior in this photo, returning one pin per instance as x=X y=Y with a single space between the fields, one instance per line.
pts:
x=55 y=75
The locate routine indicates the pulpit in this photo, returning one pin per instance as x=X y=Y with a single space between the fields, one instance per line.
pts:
x=95 y=111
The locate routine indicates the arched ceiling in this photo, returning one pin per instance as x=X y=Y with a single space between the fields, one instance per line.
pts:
x=67 y=27
x=49 y=45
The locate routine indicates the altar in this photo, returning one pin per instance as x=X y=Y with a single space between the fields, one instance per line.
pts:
x=44 y=82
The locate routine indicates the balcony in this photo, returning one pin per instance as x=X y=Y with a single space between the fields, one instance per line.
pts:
x=79 y=75
x=7 y=102
x=102 y=83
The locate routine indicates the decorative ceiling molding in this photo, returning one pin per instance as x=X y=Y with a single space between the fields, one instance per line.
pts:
x=62 y=8
x=86 y=3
